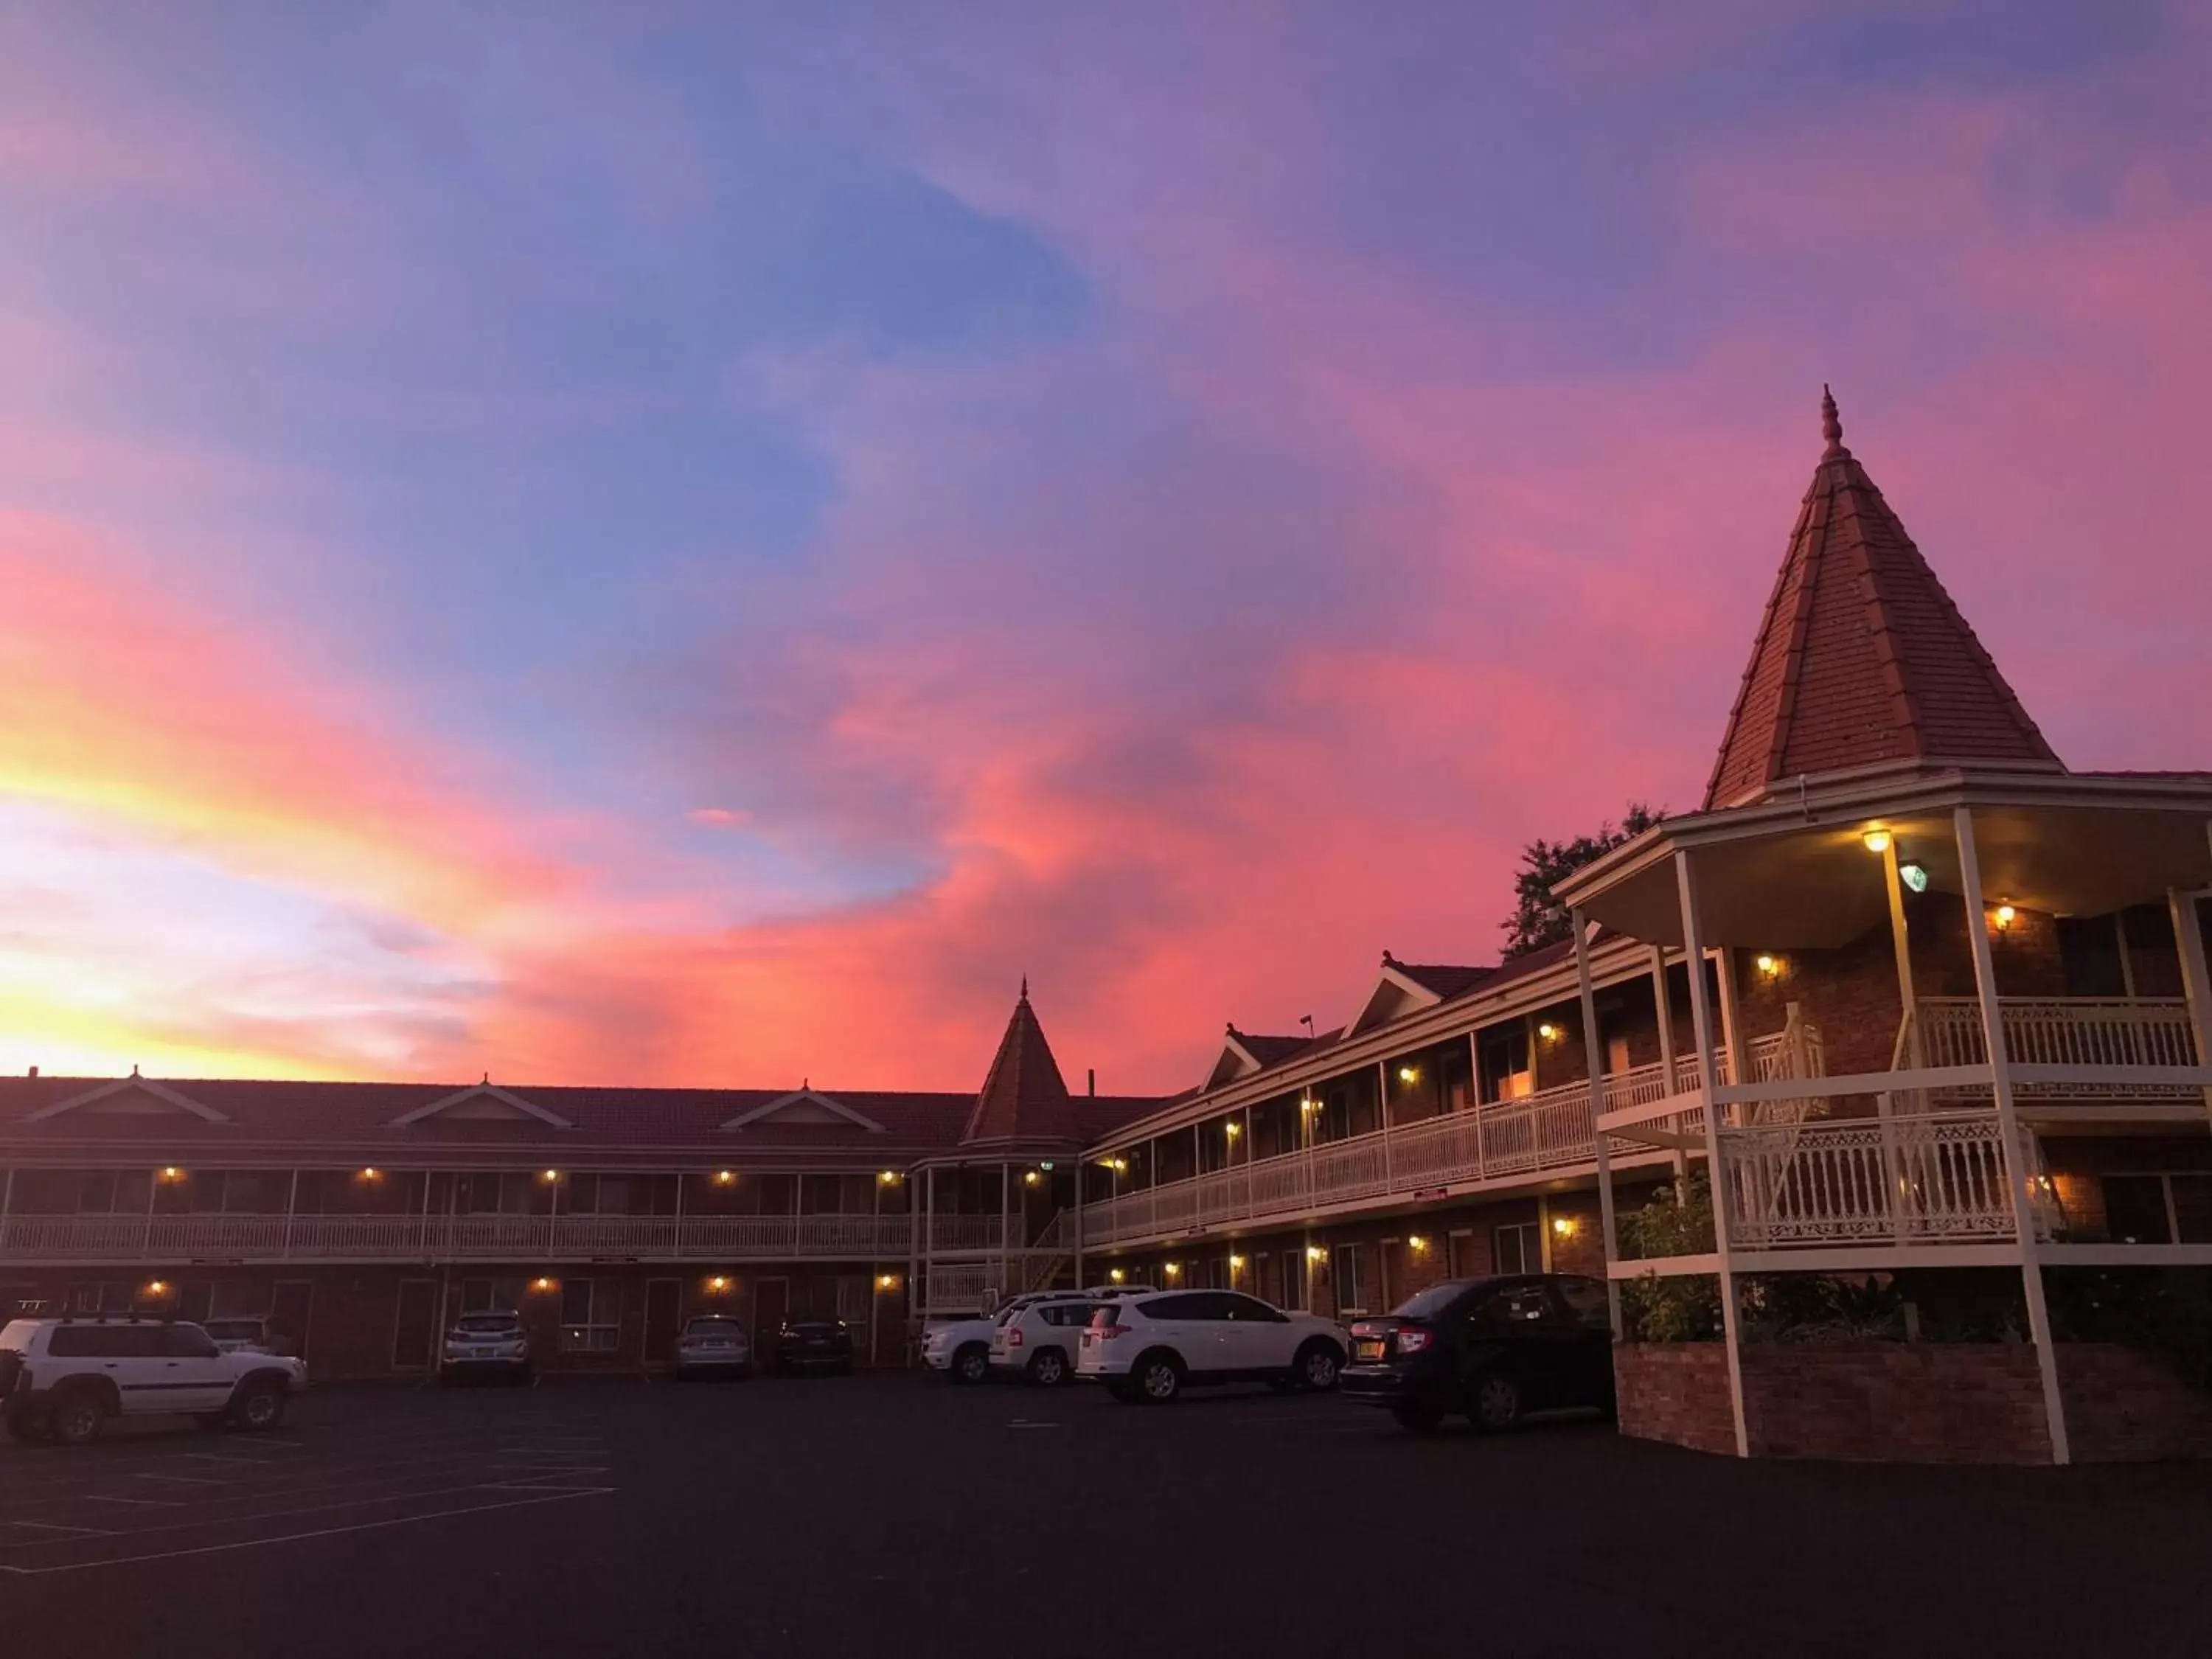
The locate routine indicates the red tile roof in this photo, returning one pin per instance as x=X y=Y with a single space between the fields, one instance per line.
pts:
x=1024 y=1098
x=1862 y=657
x=1441 y=979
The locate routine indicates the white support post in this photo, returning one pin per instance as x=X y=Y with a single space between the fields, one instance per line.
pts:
x=1701 y=1026
x=2127 y=956
x=7 y=1201
x=1663 y=1001
x=1732 y=1043
x=1590 y=1044
x=1382 y=1113
x=552 y=1215
x=1005 y=1227
x=291 y=1209
x=153 y=1185
x=2023 y=1213
x=1901 y=943
x=1079 y=1172
x=425 y=1242
x=1475 y=1094
x=675 y=1232
x=2196 y=985
x=875 y=1262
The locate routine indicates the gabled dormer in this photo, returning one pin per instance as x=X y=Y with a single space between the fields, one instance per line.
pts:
x=805 y=1106
x=1406 y=988
x=481 y=1102
x=129 y=1096
x=1245 y=1053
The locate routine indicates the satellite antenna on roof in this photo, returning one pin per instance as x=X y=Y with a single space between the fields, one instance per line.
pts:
x=1306 y=1020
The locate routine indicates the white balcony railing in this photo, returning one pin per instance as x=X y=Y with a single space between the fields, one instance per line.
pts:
x=2111 y=1034
x=464 y=1237
x=1932 y=1179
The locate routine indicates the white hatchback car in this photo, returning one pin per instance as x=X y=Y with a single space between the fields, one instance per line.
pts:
x=1150 y=1348
x=1037 y=1340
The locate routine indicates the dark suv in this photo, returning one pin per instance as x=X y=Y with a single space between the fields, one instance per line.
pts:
x=1490 y=1350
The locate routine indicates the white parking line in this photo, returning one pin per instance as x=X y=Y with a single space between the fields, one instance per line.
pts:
x=142 y=1503
x=202 y=1523
x=297 y=1537
x=183 y=1480
x=56 y=1526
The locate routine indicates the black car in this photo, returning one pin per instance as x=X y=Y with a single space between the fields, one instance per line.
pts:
x=814 y=1345
x=1490 y=1350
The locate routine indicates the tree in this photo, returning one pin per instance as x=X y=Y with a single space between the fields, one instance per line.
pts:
x=1538 y=919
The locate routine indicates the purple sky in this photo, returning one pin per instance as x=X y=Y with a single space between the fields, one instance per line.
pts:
x=699 y=543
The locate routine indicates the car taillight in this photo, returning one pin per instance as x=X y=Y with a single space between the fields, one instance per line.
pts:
x=1411 y=1341
x=1363 y=1328
x=1014 y=1338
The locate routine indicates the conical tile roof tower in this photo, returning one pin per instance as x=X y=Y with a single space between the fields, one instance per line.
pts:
x=1023 y=1096
x=1861 y=658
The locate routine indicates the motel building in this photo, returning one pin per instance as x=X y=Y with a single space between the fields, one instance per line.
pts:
x=1874 y=1094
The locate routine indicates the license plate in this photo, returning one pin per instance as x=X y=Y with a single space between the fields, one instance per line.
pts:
x=1370 y=1347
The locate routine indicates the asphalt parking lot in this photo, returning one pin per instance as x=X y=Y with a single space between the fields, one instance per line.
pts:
x=888 y=1515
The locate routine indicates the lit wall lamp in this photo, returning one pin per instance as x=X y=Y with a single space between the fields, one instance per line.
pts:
x=1409 y=1074
x=1232 y=1130
x=1877 y=840
x=1307 y=1104
x=1115 y=1274
x=369 y=1175
x=1564 y=1225
x=718 y=1285
x=726 y=1177
x=1548 y=1032
x=887 y=1178
x=1770 y=967
x=157 y=1287
x=549 y=1175
x=1172 y=1268
x=541 y=1284
x=171 y=1172
x=887 y=1281
x=1314 y=1253
x=1030 y=1177
x=1416 y=1243
x=2003 y=915
x=1914 y=876
x=1236 y=1263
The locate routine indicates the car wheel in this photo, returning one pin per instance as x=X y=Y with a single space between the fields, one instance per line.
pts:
x=1317 y=1365
x=76 y=1417
x=1497 y=1401
x=1049 y=1369
x=32 y=1428
x=259 y=1409
x=1418 y=1416
x=972 y=1363
x=1158 y=1378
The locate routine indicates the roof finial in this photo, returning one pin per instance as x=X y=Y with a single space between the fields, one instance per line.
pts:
x=1832 y=424
x=1025 y=987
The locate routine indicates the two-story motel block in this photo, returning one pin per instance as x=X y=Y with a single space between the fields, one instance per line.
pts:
x=1915 y=1003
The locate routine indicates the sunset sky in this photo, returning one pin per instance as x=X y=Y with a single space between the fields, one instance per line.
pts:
x=699 y=543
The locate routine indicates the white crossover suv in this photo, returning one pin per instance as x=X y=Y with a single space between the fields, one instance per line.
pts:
x=62 y=1379
x=1037 y=1341
x=1150 y=1348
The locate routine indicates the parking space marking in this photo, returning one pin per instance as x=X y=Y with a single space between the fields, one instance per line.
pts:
x=144 y=1503
x=182 y=1479
x=56 y=1526
x=554 y=1496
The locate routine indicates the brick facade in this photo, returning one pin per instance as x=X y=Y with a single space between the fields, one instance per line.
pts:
x=1911 y=1402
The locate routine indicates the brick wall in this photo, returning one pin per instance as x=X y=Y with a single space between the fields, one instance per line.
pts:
x=1919 y=1402
x=1676 y=1392
x=2122 y=1406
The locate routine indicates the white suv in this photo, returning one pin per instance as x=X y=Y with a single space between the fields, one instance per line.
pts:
x=1037 y=1341
x=62 y=1379
x=961 y=1348
x=1152 y=1347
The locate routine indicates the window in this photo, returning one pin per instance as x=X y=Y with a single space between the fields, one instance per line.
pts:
x=2159 y=1209
x=1251 y=1311
x=1504 y=1074
x=106 y=1342
x=2134 y=1210
x=1516 y=1248
x=590 y=1316
x=1431 y=1302
x=1070 y=1313
x=187 y=1342
x=1190 y=1305
x=1514 y=1306
x=1587 y=1300
x=1344 y=1280
x=106 y=1297
x=490 y=1295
